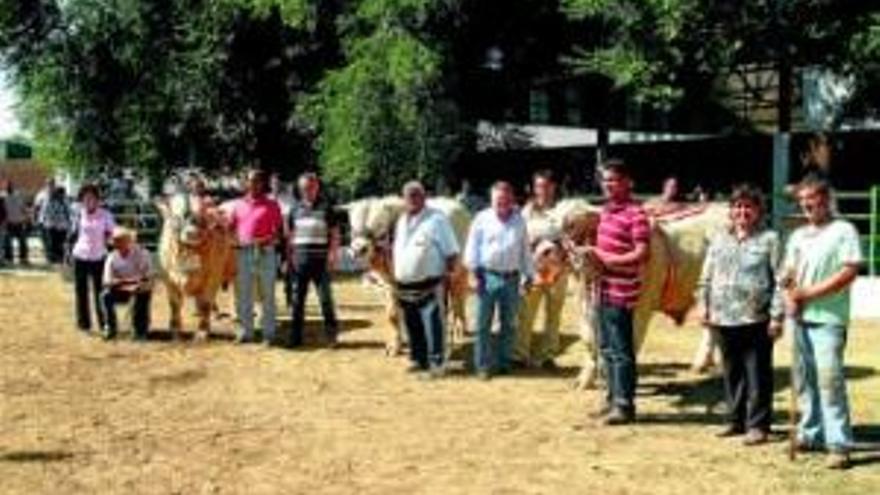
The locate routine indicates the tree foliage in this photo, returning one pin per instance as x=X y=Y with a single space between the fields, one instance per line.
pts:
x=159 y=83
x=383 y=117
x=661 y=49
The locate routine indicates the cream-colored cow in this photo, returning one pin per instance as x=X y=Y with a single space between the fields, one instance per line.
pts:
x=670 y=276
x=196 y=257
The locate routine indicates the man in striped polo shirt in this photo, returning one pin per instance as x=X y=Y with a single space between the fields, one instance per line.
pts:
x=312 y=252
x=621 y=250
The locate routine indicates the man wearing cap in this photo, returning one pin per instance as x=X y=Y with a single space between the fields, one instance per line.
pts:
x=425 y=252
x=545 y=234
x=128 y=277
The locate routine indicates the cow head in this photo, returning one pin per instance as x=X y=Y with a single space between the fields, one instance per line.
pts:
x=186 y=232
x=579 y=229
x=372 y=221
x=188 y=225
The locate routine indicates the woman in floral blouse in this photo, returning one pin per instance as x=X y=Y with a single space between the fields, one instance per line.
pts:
x=737 y=289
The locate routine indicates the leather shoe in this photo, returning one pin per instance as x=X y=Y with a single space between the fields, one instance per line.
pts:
x=730 y=431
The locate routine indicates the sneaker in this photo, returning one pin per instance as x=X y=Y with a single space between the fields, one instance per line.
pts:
x=435 y=373
x=618 y=417
x=839 y=461
x=484 y=375
x=755 y=437
x=242 y=339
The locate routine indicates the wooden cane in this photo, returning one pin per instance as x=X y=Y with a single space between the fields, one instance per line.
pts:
x=792 y=325
x=793 y=393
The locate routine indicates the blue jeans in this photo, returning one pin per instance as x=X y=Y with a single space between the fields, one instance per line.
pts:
x=618 y=355
x=502 y=293
x=312 y=270
x=260 y=263
x=423 y=320
x=821 y=386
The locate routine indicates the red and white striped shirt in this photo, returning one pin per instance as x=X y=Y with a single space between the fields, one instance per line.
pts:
x=622 y=227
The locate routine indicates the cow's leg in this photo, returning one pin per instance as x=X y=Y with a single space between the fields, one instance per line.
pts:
x=393 y=344
x=203 y=306
x=458 y=301
x=641 y=317
x=175 y=303
x=704 y=358
x=589 y=374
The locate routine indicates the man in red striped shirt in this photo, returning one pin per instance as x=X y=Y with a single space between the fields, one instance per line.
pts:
x=621 y=250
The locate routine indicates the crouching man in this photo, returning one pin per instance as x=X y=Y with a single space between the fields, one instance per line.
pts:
x=128 y=277
x=425 y=252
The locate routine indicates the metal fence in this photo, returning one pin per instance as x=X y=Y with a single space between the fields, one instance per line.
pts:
x=859 y=207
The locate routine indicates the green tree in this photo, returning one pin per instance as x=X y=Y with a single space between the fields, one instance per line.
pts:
x=155 y=84
x=383 y=117
x=663 y=51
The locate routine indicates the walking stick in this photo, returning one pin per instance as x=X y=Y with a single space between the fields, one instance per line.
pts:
x=792 y=325
x=793 y=393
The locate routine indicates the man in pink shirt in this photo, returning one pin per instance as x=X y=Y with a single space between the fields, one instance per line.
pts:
x=621 y=250
x=257 y=222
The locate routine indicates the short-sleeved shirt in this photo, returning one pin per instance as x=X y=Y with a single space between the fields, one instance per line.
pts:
x=622 y=227
x=422 y=244
x=738 y=281
x=499 y=245
x=256 y=219
x=137 y=265
x=93 y=229
x=310 y=226
x=815 y=254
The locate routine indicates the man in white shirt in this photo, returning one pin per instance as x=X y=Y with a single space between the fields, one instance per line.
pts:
x=425 y=252
x=128 y=275
x=499 y=258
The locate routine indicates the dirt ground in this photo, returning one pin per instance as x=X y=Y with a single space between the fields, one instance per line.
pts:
x=78 y=415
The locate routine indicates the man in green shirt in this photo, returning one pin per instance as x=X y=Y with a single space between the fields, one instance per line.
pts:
x=822 y=260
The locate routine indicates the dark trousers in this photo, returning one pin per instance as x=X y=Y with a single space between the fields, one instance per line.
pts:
x=618 y=356
x=312 y=270
x=17 y=231
x=55 y=241
x=140 y=315
x=87 y=273
x=423 y=320
x=748 y=375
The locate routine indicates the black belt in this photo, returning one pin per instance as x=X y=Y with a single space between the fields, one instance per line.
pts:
x=418 y=293
x=428 y=283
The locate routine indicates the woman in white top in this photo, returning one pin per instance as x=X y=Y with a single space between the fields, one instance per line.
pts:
x=90 y=235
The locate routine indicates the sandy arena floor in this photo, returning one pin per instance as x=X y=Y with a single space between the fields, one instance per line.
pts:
x=78 y=415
